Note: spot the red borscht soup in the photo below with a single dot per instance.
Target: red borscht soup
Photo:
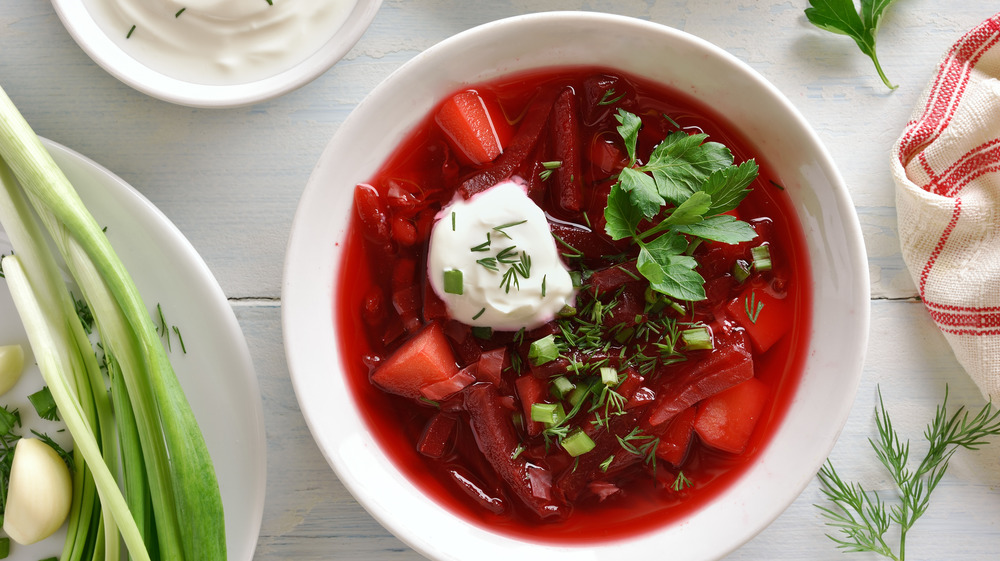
(670, 364)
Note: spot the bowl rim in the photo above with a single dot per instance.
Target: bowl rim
(295, 302)
(108, 55)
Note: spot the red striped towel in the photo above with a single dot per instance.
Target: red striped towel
(947, 170)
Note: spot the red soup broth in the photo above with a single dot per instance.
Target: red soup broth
(372, 273)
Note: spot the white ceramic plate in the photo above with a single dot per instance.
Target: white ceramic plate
(781, 137)
(109, 55)
(216, 371)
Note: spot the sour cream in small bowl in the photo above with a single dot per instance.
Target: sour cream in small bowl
(216, 53)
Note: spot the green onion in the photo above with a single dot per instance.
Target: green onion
(453, 281)
(482, 331)
(609, 376)
(577, 443)
(562, 386)
(697, 338)
(578, 394)
(741, 270)
(543, 350)
(544, 413)
(761, 257)
(44, 405)
(181, 487)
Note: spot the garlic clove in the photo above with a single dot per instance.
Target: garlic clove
(11, 366)
(39, 493)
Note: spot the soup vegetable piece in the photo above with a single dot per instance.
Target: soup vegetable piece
(607, 372)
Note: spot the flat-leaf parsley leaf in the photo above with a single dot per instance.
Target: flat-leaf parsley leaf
(842, 17)
(674, 200)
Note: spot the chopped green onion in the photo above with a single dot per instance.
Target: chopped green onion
(4, 548)
(697, 338)
(453, 281)
(741, 270)
(761, 257)
(44, 405)
(578, 394)
(562, 386)
(567, 311)
(609, 376)
(577, 443)
(543, 350)
(518, 450)
(548, 413)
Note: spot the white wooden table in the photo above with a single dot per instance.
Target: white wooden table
(230, 180)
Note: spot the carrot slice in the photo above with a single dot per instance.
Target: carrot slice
(424, 360)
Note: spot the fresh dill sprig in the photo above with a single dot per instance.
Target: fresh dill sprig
(863, 517)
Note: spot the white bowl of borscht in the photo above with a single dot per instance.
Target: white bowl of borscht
(575, 286)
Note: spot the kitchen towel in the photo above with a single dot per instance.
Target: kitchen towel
(946, 165)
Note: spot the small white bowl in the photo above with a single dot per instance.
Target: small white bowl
(94, 40)
(839, 325)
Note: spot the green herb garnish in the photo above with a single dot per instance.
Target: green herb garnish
(863, 517)
(683, 191)
(752, 306)
(843, 18)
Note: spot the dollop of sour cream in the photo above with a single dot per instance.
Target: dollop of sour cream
(494, 262)
(220, 42)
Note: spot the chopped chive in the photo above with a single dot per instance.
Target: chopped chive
(453, 221)
(578, 443)
(179, 12)
(761, 257)
(543, 350)
(671, 121)
(453, 281)
(482, 331)
(180, 339)
(130, 32)
(543, 285)
(5, 548)
(776, 184)
(270, 3)
(479, 313)
(697, 338)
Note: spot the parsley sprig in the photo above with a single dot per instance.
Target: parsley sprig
(841, 17)
(673, 201)
(863, 517)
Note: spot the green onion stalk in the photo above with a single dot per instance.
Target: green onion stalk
(171, 507)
